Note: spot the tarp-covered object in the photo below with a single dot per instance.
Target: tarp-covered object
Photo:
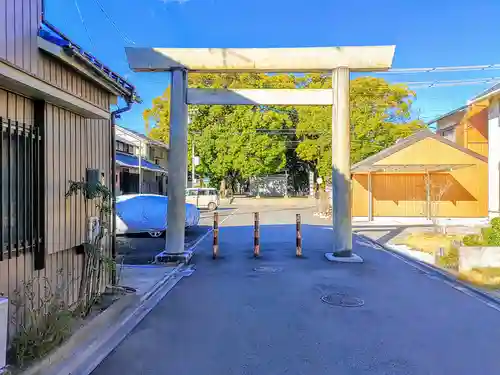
(148, 212)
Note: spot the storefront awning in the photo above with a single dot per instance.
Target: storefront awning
(132, 161)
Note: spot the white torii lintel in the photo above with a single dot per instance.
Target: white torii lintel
(271, 60)
(259, 97)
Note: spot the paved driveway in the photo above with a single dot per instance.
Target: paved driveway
(229, 319)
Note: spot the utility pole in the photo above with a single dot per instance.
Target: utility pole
(192, 161)
(140, 167)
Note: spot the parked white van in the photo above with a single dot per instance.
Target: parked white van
(203, 198)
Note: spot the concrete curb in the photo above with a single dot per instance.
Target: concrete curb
(92, 343)
(433, 271)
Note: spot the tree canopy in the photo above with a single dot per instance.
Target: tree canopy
(238, 142)
(380, 114)
(233, 142)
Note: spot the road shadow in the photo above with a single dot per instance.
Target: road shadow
(141, 250)
(391, 231)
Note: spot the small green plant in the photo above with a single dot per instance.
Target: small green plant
(43, 319)
(450, 259)
(95, 261)
(472, 240)
(490, 236)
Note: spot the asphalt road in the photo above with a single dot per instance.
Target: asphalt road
(228, 318)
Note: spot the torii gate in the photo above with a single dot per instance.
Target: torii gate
(339, 60)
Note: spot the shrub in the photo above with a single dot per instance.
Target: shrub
(490, 236)
(472, 240)
(45, 323)
(449, 259)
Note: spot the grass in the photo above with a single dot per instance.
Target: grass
(430, 242)
(483, 277)
(487, 277)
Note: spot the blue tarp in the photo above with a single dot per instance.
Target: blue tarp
(148, 213)
(132, 161)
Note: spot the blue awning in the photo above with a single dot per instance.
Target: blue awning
(132, 161)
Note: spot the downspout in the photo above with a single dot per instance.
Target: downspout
(114, 116)
(42, 13)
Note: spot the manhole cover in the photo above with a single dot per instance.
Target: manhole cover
(267, 269)
(338, 299)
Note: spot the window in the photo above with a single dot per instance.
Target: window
(21, 189)
(124, 147)
(191, 193)
(449, 134)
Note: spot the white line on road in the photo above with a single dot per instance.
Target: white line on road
(203, 236)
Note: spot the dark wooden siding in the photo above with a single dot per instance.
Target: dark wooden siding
(19, 22)
(63, 76)
(72, 143)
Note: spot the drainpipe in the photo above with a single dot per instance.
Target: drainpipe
(114, 116)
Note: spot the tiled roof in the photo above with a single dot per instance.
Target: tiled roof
(51, 34)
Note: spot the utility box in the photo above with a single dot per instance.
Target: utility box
(92, 177)
(4, 323)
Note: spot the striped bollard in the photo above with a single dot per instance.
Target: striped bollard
(215, 250)
(256, 236)
(298, 241)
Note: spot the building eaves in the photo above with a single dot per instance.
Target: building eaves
(51, 34)
(145, 138)
(451, 113)
(493, 90)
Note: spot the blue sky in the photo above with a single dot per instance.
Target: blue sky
(427, 33)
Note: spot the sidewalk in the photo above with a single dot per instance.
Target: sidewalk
(142, 277)
(91, 343)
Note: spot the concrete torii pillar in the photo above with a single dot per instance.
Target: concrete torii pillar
(338, 60)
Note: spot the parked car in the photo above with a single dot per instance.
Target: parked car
(147, 213)
(203, 198)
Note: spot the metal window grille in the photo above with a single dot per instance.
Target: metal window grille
(21, 191)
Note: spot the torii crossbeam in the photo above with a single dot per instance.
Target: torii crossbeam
(338, 60)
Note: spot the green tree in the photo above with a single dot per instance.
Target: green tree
(233, 142)
(380, 114)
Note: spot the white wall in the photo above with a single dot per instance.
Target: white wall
(494, 159)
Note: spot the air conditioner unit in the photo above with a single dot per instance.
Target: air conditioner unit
(4, 312)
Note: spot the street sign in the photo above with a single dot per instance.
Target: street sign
(196, 160)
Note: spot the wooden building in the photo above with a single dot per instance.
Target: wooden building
(476, 126)
(424, 175)
(56, 124)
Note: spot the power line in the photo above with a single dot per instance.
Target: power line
(110, 19)
(83, 23)
(456, 82)
(443, 69)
